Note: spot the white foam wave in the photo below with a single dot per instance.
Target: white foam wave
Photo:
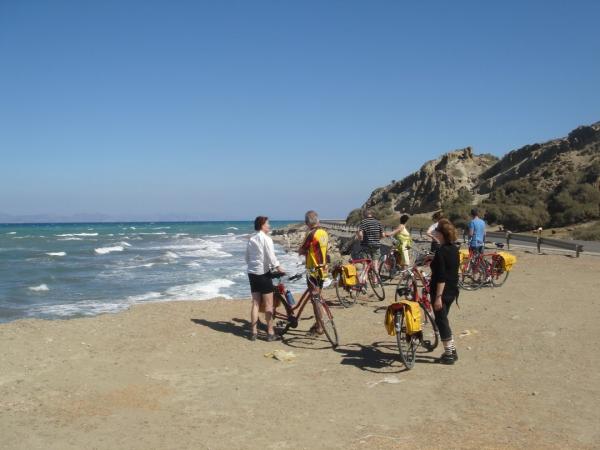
(56, 253)
(82, 308)
(139, 266)
(71, 239)
(172, 255)
(76, 234)
(12, 232)
(194, 264)
(206, 253)
(199, 291)
(40, 288)
(144, 297)
(105, 250)
(161, 228)
(232, 228)
(125, 244)
(158, 233)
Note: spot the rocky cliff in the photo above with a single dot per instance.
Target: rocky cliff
(438, 181)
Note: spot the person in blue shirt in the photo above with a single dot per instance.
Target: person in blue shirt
(476, 232)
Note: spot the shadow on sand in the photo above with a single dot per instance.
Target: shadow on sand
(379, 357)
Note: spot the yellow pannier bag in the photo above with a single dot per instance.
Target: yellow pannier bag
(412, 317)
(349, 274)
(464, 255)
(508, 260)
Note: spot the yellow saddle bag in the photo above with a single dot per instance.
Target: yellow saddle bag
(412, 317)
(508, 260)
(349, 274)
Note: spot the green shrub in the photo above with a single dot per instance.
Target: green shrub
(591, 233)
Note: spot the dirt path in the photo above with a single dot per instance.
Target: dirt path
(183, 375)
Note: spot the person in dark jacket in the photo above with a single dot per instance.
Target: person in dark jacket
(444, 285)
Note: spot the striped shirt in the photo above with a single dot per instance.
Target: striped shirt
(372, 231)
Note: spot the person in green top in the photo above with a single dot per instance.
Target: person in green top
(402, 234)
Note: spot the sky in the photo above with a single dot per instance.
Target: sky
(232, 109)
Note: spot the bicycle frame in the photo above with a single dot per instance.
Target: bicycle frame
(293, 313)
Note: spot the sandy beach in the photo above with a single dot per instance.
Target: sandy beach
(184, 375)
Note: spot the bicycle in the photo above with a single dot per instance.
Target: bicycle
(390, 262)
(476, 271)
(348, 294)
(415, 286)
(292, 315)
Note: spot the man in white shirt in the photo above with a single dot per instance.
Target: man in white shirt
(261, 259)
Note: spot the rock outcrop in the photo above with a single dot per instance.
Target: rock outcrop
(439, 181)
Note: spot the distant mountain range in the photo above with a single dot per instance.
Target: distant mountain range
(484, 178)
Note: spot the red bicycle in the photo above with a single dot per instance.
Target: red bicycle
(348, 293)
(479, 269)
(292, 314)
(414, 285)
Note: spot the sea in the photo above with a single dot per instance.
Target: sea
(61, 271)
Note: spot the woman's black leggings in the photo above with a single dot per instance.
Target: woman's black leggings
(441, 317)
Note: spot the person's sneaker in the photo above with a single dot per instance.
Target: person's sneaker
(446, 359)
(455, 355)
(253, 337)
(273, 337)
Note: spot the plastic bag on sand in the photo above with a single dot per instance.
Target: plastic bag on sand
(281, 355)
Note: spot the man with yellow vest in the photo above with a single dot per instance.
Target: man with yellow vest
(314, 248)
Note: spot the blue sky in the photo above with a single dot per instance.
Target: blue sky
(230, 109)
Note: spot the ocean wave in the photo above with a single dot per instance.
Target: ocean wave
(161, 228)
(40, 288)
(125, 244)
(203, 290)
(147, 265)
(70, 239)
(105, 250)
(171, 255)
(158, 233)
(56, 253)
(194, 264)
(206, 253)
(12, 232)
(76, 234)
(81, 308)
(144, 297)
(232, 228)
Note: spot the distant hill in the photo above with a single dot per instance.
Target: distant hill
(551, 183)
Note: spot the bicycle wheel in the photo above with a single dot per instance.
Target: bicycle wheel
(498, 274)
(346, 296)
(430, 335)
(325, 320)
(406, 289)
(376, 284)
(470, 276)
(387, 266)
(407, 345)
(282, 326)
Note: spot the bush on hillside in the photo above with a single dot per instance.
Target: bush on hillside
(591, 233)
(458, 210)
(517, 205)
(573, 202)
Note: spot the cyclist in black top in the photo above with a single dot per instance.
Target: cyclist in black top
(444, 285)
